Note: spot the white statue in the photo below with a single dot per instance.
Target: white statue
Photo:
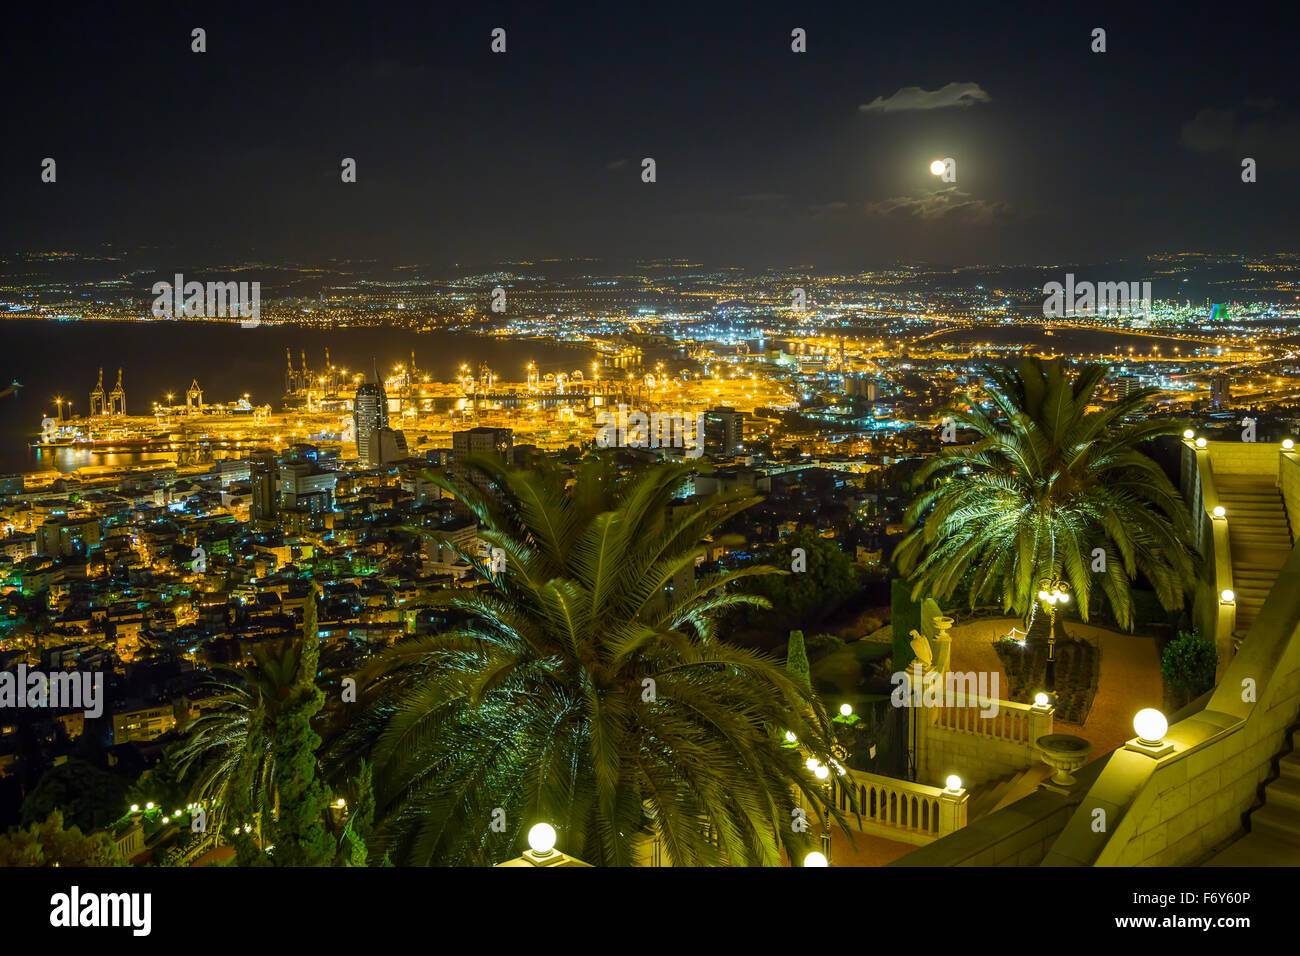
(921, 648)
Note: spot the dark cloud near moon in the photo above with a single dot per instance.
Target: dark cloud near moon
(915, 98)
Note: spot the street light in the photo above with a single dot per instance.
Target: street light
(1052, 592)
(816, 859)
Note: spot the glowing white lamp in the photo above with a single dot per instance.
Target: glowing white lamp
(1040, 699)
(815, 859)
(1189, 434)
(1150, 726)
(953, 782)
(1219, 511)
(1288, 444)
(1200, 443)
(846, 710)
(1226, 596)
(790, 738)
(541, 839)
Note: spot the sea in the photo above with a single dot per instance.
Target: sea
(62, 359)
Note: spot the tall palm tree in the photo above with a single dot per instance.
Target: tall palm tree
(586, 686)
(228, 756)
(1045, 485)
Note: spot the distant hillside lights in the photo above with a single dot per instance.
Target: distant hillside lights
(1089, 299)
(656, 430)
(213, 300)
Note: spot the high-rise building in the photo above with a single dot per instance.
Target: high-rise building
(369, 415)
(724, 432)
(392, 446)
(67, 535)
(478, 441)
(1220, 390)
(263, 476)
(305, 485)
(481, 441)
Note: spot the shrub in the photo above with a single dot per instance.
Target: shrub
(821, 644)
(1189, 663)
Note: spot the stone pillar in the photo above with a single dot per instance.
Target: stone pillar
(1041, 721)
(952, 811)
(1227, 623)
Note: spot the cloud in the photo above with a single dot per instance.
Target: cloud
(946, 205)
(1258, 128)
(915, 98)
(617, 163)
(1208, 131)
(822, 210)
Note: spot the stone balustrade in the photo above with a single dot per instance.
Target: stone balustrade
(901, 810)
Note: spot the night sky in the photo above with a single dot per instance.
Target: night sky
(765, 157)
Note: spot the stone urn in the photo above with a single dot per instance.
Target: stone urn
(1065, 754)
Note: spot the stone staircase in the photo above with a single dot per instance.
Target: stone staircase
(1259, 538)
(1274, 837)
(1279, 817)
(997, 794)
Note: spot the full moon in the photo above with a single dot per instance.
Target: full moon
(936, 167)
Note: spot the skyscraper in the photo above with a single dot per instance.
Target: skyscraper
(723, 432)
(370, 415)
(264, 476)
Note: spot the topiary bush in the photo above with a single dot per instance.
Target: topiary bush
(1189, 664)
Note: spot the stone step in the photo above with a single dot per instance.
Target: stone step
(1289, 766)
(1284, 792)
(1276, 822)
(1261, 577)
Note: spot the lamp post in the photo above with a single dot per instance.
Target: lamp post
(1052, 591)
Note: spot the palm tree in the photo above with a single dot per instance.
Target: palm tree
(586, 686)
(1049, 488)
(229, 755)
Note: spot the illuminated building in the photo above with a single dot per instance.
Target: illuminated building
(263, 474)
(67, 535)
(723, 432)
(370, 414)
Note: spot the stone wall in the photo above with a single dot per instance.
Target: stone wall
(1244, 457)
(1174, 809)
(1289, 484)
(976, 758)
(1017, 835)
